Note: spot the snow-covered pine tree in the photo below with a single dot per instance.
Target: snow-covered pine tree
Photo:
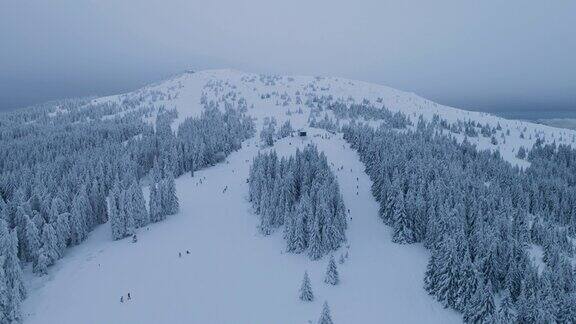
(306, 289)
(332, 277)
(481, 308)
(467, 283)
(138, 205)
(41, 264)
(315, 248)
(155, 204)
(169, 196)
(116, 212)
(128, 213)
(505, 313)
(78, 230)
(32, 240)
(297, 240)
(50, 244)
(62, 232)
(4, 294)
(403, 224)
(325, 317)
(13, 284)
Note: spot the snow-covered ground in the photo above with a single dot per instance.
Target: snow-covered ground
(233, 274)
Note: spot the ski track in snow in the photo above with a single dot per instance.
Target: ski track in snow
(233, 274)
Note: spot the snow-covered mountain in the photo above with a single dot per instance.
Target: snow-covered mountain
(209, 263)
(184, 92)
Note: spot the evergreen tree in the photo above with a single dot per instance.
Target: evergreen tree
(117, 213)
(32, 242)
(12, 284)
(41, 265)
(129, 222)
(332, 277)
(505, 312)
(325, 317)
(155, 204)
(138, 205)
(481, 308)
(306, 289)
(403, 228)
(169, 195)
(78, 230)
(315, 250)
(50, 245)
(467, 283)
(62, 232)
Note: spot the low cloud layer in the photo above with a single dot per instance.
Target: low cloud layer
(478, 55)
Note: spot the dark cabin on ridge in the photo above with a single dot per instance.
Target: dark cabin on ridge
(302, 133)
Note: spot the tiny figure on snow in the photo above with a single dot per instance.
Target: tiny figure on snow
(121, 299)
(187, 252)
(129, 297)
(225, 188)
(179, 254)
(134, 238)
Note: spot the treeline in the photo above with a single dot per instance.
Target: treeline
(69, 166)
(365, 110)
(301, 193)
(481, 219)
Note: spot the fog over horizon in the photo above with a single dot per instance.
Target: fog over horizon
(487, 56)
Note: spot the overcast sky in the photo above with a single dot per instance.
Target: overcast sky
(483, 55)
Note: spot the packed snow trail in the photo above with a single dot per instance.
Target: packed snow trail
(233, 274)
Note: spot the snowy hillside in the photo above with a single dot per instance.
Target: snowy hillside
(283, 94)
(208, 263)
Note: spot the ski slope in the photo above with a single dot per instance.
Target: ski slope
(233, 274)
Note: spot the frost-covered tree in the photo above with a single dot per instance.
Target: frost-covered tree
(268, 131)
(403, 226)
(332, 277)
(285, 130)
(155, 204)
(117, 212)
(41, 264)
(78, 226)
(138, 206)
(31, 240)
(521, 153)
(505, 313)
(12, 290)
(169, 197)
(50, 246)
(306, 289)
(325, 317)
(481, 308)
